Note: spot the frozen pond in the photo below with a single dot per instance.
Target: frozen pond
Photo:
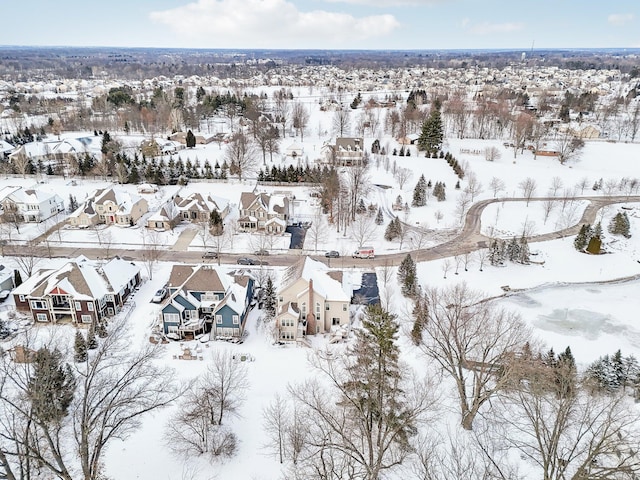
(593, 320)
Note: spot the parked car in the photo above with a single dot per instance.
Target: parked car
(261, 253)
(210, 254)
(246, 261)
(4, 294)
(332, 254)
(159, 295)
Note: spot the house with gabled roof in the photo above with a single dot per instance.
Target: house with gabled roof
(112, 207)
(258, 211)
(197, 207)
(167, 217)
(345, 151)
(81, 291)
(200, 294)
(29, 204)
(312, 299)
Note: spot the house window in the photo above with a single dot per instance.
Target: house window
(90, 306)
(41, 317)
(318, 309)
(171, 317)
(172, 329)
(335, 321)
(236, 319)
(86, 318)
(219, 319)
(21, 297)
(38, 305)
(326, 306)
(78, 306)
(280, 299)
(110, 311)
(344, 307)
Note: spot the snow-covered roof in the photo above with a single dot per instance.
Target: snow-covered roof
(119, 272)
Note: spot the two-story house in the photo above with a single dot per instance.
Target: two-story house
(81, 291)
(203, 299)
(197, 208)
(312, 299)
(112, 207)
(30, 205)
(264, 212)
(346, 151)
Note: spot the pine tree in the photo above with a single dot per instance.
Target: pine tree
(269, 300)
(17, 278)
(523, 256)
(513, 250)
(420, 315)
(582, 239)
(620, 225)
(51, 386)
(407, 276)
(432, 132)
(73, 203)
(190, 139)
(92, 341)
(379, 217)
(361, 207)
(80, 348)
(101, 328)
(391, 232)
(420, 193)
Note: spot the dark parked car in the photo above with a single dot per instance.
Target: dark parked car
(332, 254)
(246, 261)
(210, 254)
(261, 253)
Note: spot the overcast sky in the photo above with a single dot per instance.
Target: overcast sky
(324, 24)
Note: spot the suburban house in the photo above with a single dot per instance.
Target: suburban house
(263, 212)
(166, 218)
(312, 299)
(112, 207)
(7, 278)
(202, 299)
(346, 151)
(81, 291)
(30, 205)
(197, 207)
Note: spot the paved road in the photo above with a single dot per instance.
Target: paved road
(468, 240)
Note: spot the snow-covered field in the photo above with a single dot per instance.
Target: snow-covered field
(564, 296)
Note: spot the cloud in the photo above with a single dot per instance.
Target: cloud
(486, 28)
(268, 24)
(620, 18)
(391, 3)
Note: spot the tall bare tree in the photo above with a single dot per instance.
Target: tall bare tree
(470, 339)
(241, 155)
(299, 118)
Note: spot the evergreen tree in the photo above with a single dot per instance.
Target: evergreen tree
(215, 223)
(432, 132)
(620, 225)
(420, 193)
(92, 341)
(582, 239)
(101, 328)
(51, 386)
(73, 203)
(379, 217)
(420, 316)
(523, 256)
(190, 139)
(80, 347)
(513, 250)
(361, 207)
(269, 300)
(17, 278)
(407, 276)
(392, 230)
(439, 191)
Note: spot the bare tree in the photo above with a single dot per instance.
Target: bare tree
(402, 176)
(470, 339)
(27, 257)
(152, 250)
(582, 184)
(496, 185)
(569, 147)
(299, 118)
(318, 230)
(286, 428)
(446, 266)
(492, 154)
(358, 184)
(528, 188)
(556, 184)
(341, 121)
(241, 155)
(547, 207)
(570, 433)
(474, 186)
(363, 230)
(481, 255)
(462, 205)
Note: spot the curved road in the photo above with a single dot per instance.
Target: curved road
(468, 240)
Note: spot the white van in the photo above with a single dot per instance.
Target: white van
(364, 252)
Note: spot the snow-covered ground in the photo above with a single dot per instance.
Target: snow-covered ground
(593, 318)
